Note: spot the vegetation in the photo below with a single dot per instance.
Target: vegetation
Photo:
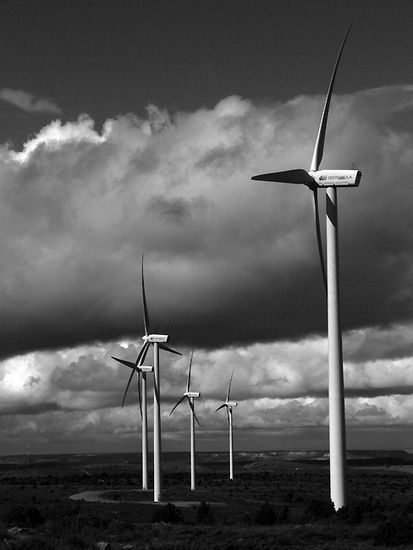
(167, 514)
(271, 504)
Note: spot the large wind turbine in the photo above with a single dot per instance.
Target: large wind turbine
(229, 405)
(190, 396)
(142, 371)
(329, 179)
(158, 342)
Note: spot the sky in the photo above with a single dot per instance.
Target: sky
(130, 128)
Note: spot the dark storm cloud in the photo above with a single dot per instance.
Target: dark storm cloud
(31, 409)
(376, 392)
(227, 261)
(373, 343)
(175, 210)
(87, 374)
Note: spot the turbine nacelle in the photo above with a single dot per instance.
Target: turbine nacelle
(336, 178)
(155, 338)
(146, 368)
(192, 394)
(231, 404)
(314, 178)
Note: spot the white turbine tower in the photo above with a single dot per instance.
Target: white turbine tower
(329, 179)
(158, 342)
(190, 396)
(229, 405)
(142, 371)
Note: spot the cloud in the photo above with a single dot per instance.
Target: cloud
(228, 261)
(281, 390)
(28, 102)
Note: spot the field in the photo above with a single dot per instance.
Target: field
(277, 500)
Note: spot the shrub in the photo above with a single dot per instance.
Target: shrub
(204, 513)
(167, 514)
(283, 515)
(35, 542)
(353, 513)
(394, 531)
(265, 514)
(319, 509)
(23, 516)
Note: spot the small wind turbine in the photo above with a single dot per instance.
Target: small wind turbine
(229, 406)
(190, 396)
(142, 371)
(158, 341)
(329, 179)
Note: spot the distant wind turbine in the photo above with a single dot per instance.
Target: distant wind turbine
(142, 371)
(158, 341)
(190, 396)
(229, 405)
(329, 179)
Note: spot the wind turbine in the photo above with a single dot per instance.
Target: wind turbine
(158, 341)
(141, 371)
(190, 396)
(229, 406)
(329, 179)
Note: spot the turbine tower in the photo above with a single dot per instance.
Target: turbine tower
(229, 406)
(190, 396)
(142, 371)
(329, 179)
(158, 341)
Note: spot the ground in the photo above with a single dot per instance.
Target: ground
(277, 500)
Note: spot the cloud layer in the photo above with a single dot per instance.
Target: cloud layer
(231, 265)
(281, 390)
(228, 261)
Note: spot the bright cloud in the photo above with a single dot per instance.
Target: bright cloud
(280, 387)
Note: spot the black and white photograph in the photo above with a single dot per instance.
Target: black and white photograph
(206, 274)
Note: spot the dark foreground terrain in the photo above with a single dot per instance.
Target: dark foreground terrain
(277, 500)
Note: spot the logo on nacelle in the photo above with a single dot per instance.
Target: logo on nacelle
(336, 178)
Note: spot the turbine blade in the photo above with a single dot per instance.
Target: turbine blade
(127, 363)
(289, 176)
(319, 144)
(127, 386)
(221, 407)
(140, 391)
(188, 382)
(156, 388)
(166, 348)
(176, 404)
(142, 356)
(193, 411)
(196, 419)
(142, 353)
(319, 240)
(145, 305)
(229, 385)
